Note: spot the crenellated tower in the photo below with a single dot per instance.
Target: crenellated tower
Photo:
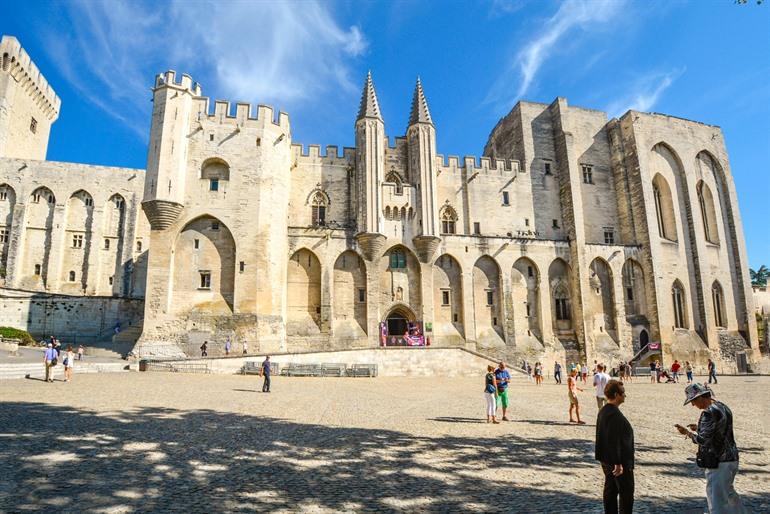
(370, 172)
(164, 186)
(421, 146)
(28, 104)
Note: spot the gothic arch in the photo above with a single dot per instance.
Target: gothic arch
(602, 297)
(7, 204)
(559, 281)
(350, 296)
(203, 267)
(525, 289)
(113, 223)
(718, 302)
(448, 326)
(487, 302)
(448, 217)
(707, 212)
(215, 168)
(400, 278)
(38, 227)
(303, 304)
(679, 305)
(78, 241)
(664, 208)
(634, 289)
(394, 177)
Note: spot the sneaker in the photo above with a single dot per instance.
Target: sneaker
(496, 422)
(505, 418)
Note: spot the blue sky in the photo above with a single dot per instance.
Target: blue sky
(703, 60)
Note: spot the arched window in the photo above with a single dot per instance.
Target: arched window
(395, 179)
(72, 276)
(397, 259)
(718, 298)
(708, 213)
(677, 298)
(318, 206)
(387, 213)
(448, 220)
(664, 208)
(215, 170)
(561, 300)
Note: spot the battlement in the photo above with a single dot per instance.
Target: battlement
(15, 60)
(480, 165)
(223, 111)
(313, 155)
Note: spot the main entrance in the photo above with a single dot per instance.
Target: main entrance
(400, 328)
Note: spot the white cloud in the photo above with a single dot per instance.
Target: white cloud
(644, 93)
(573, 15)
(268, 52)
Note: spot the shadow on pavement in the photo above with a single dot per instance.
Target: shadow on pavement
(161, 459)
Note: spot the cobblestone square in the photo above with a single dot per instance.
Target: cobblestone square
(132, 442)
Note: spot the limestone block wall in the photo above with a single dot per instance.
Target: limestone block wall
(72, 228)
(391, 362)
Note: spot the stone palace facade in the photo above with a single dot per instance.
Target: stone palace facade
(574, 236)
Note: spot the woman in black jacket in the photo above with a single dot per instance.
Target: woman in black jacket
(615, 450)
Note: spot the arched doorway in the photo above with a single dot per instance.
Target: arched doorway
(644, 339)
(401, 328)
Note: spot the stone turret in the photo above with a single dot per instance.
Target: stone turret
(164, 187)
(421, 141)
(370, 172)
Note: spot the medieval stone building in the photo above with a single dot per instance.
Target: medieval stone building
(574, 236)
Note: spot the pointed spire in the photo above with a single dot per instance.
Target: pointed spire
(369, 106)
(420, 112)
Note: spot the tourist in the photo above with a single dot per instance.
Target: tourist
(227, 347)
(81, 351)
(675, 367)
(712, 368)
(490, 392)
(615, 450)
(688, 371)
(596, 366)
(717, 451)
(653, 372)
(600, 381)
(629, 372)
(557, 372)
(265, 372)
(502, 379)
(69, 364)
(658, 369)
(204, 349)
(245, 348)
(584, 373)
(50, 360)
(572, 388)
(538, 373)
(529, 371)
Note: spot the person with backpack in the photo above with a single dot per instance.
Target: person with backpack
(490, 394)
(50, 359)
(717, 451)
(204, 349)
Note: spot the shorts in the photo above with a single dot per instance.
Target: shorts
(502, 398)
(572, 398)
(653, 373)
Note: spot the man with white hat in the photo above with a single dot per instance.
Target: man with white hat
(49, 359)
(717, 451)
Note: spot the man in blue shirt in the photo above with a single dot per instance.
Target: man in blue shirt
(50, 356)
(503, 377)
(265, 372)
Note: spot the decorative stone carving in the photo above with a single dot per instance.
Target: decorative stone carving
(426, 247)
(372, 244)
(161, 213)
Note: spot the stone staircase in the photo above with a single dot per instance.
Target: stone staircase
(10, 371)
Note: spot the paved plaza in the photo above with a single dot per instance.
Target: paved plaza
(132, 442)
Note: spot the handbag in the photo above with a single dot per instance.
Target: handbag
(706, 458)
(55, 361)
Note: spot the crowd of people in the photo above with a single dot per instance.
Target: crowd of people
(717, 452)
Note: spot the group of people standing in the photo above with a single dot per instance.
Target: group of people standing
(717, 451)
(53, 353)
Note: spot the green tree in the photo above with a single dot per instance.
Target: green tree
(760, 276)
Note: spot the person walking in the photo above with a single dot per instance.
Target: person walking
(81, 351)
(50, 358)
(688, 371)
(69, 364)
(658, 369)
(653, 372)
(227, 347)
(490, 393)
(265, 372)
(502, 379)
(245, 348)
(601, 378)
(615, 451)
(717, 451)
(675, 367)
(204, 349)
(557, 372)
(712, 371)
(584, 373)
(572, 389)
(538, 373)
